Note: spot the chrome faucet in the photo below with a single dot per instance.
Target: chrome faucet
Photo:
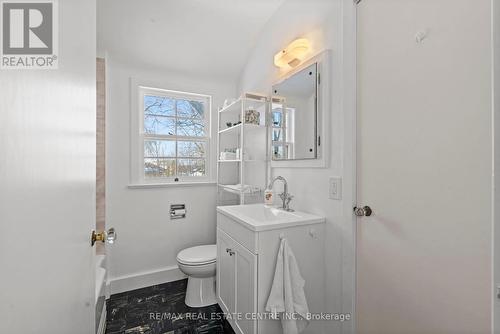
(285, 196)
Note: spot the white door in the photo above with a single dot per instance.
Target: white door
(47, 186)
(424, 167)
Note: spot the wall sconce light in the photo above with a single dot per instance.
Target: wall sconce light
(293, 54)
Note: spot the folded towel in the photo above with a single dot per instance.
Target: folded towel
(287, 292)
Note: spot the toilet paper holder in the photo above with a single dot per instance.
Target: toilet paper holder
(177, 211)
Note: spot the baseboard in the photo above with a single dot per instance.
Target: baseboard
(144, 279)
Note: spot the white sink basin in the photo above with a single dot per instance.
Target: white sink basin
(260, 217)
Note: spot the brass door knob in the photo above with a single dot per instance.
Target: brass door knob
(109, 236)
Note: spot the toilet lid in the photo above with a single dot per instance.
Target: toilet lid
(198, 255)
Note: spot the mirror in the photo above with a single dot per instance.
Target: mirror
(294, 125)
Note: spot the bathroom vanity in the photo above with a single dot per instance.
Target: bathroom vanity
(248, 240)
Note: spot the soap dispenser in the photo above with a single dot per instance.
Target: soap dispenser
(268, 196)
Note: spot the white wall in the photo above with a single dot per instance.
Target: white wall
(321, 22)
(148, 241)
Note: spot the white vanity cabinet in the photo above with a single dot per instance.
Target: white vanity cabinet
(246, 258)
(236, 282)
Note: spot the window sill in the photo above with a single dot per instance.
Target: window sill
(170, 185)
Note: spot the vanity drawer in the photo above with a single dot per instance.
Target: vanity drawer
(247, 238)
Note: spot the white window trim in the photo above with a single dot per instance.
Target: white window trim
(137, 178)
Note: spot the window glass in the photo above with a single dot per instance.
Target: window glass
(159, 149)
(175, 131)
(190, 109)
(159, 125)
(191, 167)
(159, 105)
(191, 149)
(159, 167)
(190, 127)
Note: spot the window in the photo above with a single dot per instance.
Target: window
(174, 136)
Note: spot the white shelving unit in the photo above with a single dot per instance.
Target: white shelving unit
(242, 178)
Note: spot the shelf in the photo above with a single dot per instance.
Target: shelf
(238, 189)
(231, 129)
(236, 105)
(248, 127)
(246, 137)
(239, 160)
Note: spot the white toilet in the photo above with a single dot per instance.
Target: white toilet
(199, 263)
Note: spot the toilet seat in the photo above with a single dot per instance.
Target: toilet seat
(197, 256)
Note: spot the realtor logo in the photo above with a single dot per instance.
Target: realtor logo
(29, 34)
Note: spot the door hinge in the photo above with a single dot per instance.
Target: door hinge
(319, 79)
(319, 140)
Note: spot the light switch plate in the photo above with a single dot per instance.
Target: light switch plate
(335, 188)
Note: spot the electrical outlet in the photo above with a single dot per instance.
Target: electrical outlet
(335, 188)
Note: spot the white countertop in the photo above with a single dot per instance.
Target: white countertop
(260, 217)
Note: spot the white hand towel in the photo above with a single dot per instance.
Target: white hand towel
(287, 292)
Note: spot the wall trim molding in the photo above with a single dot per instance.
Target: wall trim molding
(101, 329)
(349, 107)
(144, 279)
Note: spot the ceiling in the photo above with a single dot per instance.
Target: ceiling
(197, 37)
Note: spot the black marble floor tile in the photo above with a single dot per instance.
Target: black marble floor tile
(160, 309)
